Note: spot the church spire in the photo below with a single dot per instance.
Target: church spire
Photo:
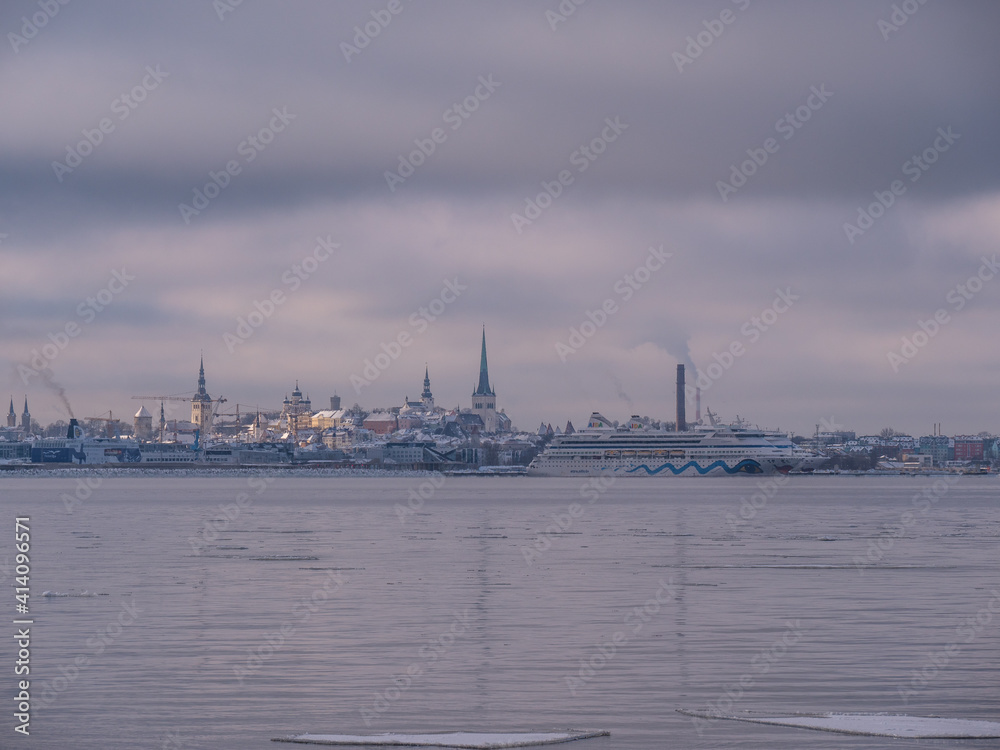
(12, 415)
(201, 375)
(427, 397)
(483, 389)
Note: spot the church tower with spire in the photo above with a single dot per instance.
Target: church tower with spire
(201, 403)
(427, 398)
(26, 417)
(12, 415)
(484, 400)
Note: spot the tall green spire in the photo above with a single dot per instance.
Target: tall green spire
(484, 378)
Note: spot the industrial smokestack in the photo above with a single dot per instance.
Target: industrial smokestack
(697, 405)
(681, 421)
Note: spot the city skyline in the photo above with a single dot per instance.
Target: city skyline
(611, 191)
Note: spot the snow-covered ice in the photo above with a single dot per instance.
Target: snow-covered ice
(476, 740)
(875, 725)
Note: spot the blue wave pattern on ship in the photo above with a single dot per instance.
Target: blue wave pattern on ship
(746, 466)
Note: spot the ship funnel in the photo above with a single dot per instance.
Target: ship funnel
(681, 421)
(74, 430)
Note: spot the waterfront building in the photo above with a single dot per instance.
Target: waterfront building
(969, 448)
(939, 447)
(381, 422)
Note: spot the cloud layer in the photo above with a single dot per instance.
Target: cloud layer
(738, 136)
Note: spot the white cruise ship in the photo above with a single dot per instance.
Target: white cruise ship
(636, 450)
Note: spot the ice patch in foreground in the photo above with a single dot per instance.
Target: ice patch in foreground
(874, 725)
(475, 740)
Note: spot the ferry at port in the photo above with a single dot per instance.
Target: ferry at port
(77, 449)
(636, 450)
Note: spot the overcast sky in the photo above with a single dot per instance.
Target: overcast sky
(403, 154)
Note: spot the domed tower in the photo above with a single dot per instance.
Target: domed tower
(143, 424)
(297, 411)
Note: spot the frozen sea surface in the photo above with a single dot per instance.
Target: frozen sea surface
(235, 609)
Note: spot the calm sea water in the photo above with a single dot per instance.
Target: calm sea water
(436, 619)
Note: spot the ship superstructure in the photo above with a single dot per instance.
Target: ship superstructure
(634, 449)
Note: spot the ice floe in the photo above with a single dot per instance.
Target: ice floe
(873, 724)
(476, 740)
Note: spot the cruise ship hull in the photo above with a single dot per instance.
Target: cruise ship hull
(641, 452)
(693, 468)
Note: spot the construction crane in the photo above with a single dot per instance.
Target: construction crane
(110, 423)
(248, 409)
(207, 426)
